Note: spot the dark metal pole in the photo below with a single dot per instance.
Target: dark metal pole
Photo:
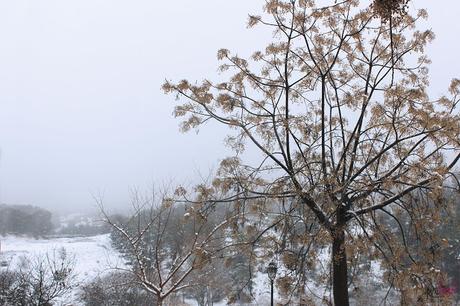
(271, 285)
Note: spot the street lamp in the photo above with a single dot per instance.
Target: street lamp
(271, 271)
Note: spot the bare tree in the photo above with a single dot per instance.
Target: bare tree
(166, 242)
(337, 106)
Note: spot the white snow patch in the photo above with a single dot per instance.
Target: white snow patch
(93, 256)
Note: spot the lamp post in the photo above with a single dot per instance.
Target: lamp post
(271, 271)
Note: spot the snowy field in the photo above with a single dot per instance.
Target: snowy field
(93, 256)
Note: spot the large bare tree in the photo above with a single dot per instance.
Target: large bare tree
(338, 108)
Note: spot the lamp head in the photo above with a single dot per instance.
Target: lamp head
(271, 270)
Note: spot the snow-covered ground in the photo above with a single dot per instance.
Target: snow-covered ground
(93, 256)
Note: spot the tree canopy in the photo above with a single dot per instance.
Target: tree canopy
(338, 108)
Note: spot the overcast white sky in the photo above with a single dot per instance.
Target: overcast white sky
(81, 110)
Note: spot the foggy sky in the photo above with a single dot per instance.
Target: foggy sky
(81, 110)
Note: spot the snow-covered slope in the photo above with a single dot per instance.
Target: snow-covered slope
(93, 256)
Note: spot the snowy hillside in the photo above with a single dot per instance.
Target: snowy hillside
(93, 256)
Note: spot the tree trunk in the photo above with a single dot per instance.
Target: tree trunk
(339, 268)
(159, 302)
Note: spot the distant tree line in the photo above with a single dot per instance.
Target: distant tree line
(25, 220)
(82, 227)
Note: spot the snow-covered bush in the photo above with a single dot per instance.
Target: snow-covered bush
(117, 288)
(38, 281)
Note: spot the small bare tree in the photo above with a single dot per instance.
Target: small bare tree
(166, 241)
(337, 106)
